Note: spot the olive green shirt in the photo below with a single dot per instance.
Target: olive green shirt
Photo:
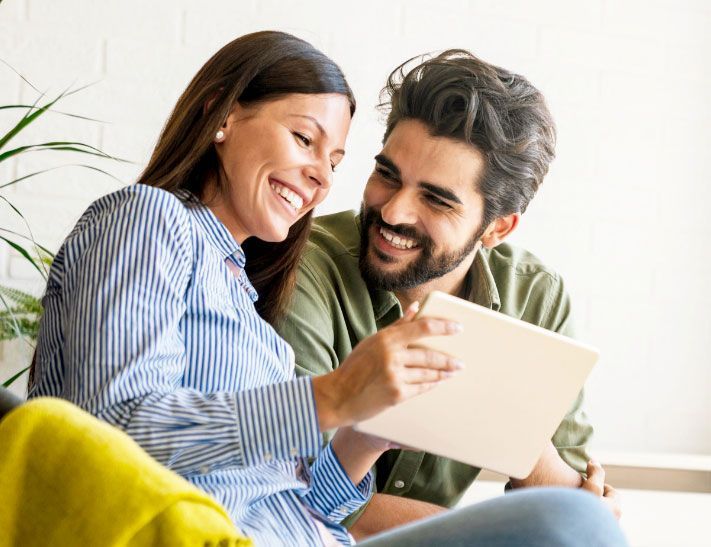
(333, 310)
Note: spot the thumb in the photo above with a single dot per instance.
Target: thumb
(410, 313)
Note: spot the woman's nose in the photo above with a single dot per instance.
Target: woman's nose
(320, 173)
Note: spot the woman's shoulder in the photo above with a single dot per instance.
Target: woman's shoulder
(136, 205)
(142, 198)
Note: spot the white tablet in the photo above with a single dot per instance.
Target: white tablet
(498, 413)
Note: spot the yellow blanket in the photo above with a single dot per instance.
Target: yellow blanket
(68, 479)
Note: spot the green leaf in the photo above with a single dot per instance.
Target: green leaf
(8, 65)
(45, 250)
(24, 253)
(84, 165)
(35, 112)
(69, 114)
(7, 383)
(32, 237)
(59, 145)
(13, 320)
(26, 120)
(25, 302)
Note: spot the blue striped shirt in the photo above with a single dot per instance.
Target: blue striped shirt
(146, 327)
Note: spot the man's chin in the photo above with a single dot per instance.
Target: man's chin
(391, 263)
(385, 266)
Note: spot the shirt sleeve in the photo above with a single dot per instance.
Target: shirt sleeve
(127, 267)
(332, 492)
(573, 436)
(307, 326)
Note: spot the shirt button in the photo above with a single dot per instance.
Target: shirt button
(205, 469)
(268, 457)
(294, 452)
(399, 484)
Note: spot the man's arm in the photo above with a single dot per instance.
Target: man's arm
(385, 511)
(550, 470)
(565, 461)
(573, 436)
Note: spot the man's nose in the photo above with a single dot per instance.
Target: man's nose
(400, 209)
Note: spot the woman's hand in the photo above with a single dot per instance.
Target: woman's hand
(384, 370)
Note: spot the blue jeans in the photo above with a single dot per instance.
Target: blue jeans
(545, 517)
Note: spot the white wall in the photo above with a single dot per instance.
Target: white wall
(623, 213)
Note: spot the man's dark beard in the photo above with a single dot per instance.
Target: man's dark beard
(425, 267)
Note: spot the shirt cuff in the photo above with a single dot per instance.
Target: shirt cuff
(332, 492)
(278, 422)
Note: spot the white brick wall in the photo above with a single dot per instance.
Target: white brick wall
(623, 214)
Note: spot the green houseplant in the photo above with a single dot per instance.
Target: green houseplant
(19, 310)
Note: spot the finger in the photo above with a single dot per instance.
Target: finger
(424, 326)
(411, 312)
(612, 499)
(411, 390)
(595, 482)
(427, 358)
(425, 375)
(611, 493)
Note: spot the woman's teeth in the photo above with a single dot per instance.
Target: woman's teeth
(396, 241)
(293, 198)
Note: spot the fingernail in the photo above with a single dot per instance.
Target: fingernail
(453, 326)
(415, 306)
(458, 364)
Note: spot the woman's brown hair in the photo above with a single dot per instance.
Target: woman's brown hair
(253, 68)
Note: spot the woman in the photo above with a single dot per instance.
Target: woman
(150, 319)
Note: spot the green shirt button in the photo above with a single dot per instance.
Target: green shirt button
(399, 484)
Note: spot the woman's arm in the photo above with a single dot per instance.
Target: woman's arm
(124, 274)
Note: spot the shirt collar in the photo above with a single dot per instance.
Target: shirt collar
(217, 233)
(481, 284)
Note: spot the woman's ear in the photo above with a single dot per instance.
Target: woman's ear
(499, 229)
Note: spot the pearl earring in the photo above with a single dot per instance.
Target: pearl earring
(219, 136)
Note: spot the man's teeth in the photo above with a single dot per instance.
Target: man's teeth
(293, 198)
(396, 241)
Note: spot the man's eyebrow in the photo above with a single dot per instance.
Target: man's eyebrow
(318, 126)
(440, 191)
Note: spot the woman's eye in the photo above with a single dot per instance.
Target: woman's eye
(302, 138)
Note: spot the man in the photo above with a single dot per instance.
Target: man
(466, 146)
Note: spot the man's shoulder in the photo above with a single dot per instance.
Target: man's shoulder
(334, 242)
(337, 233)
(527, 288)
(511, 260)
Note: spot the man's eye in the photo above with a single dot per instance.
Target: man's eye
(436, 201)
(384, 173)
(302, 138)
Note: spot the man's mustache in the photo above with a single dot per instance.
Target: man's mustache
(373, 217)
